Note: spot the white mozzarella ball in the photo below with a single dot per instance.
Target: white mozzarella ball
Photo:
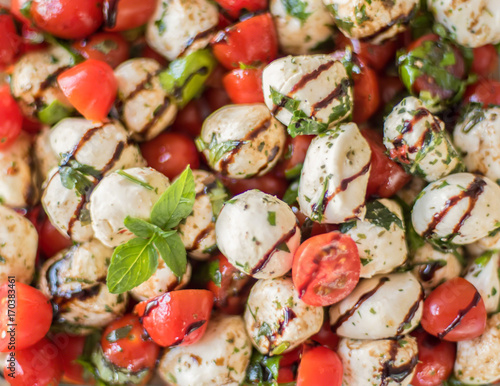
(18, 246)
(242, 141)
(300, 33)
(144, 106)
(258, 234)
(478, 359)
(335, 174)
(483, 273)
(488, 243)
(373, 20)
(45, 157)
(364, 313)
(461, 208)
(179, 27)
(220, 357)
(418, 141)
(318, 84)
(116, 197)
(276, 319)
(471, 23)
(380, 237)
(385, 362)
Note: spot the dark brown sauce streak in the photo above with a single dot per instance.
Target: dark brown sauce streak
(426, 272)
(396, 373)
(343, 318)
(116, 156)
(150, 307)
(408, 125)
(110, 11)
(289, 315)
(403, 19)
(201, 236)
(324, 252)
(191, 328)
(200, 35)
(156, 115)
(339, 91)
(270, 158)
(265, 259)
(139, 88)
(52, 78)
(473, 191)
(411, 313)
(76, 214)
(460, 316)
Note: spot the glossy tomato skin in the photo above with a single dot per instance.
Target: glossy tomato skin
(79, 85)
(268, 183)
(32, 315)
(128, 14)
(485, 62)
(11, 118)
(170, 153)
(235, 8)
(178, 317)
(320, 366)
(36, 365)
(252, 41)
(326, 268)
(454, 311)
(326, 337)
(244, 85)
(294, 156)
(366, 93)
(486, 92)
(10, 43)
(51, 240)
(190, 119)
(70, 349)
(435, 359)
(108, 47)
(67, 19)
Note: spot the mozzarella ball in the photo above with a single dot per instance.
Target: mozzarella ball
(373, 20)
(17, 187)
(242, 141)
(276, 319)
(478, 136)
(33, 79)
(364, 314)
(300, 33)
(18, 246)
(335, 174)
(478, 359)
(220, 357)
(318, 83)
(488, 243)
(461, 208)
(418, 141)
(45, 157)
(143, 105)
(179, 27)
(433, 267)
(483, 274)
(380, 237)
(116, 197)
(258, 234)
(472, 23)
(386, 362)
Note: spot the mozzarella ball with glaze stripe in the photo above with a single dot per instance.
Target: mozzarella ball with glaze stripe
(44, 156)
(18, 246)
(242, 141)
(335, 176)
(301, 31)
(364, 313)
(179, 27)
(386, 362)
(461, 208)
(316, 86)
(417, 140)
(129, 192)
(276, 319)
(220, 357)
(143, 104)
(258, 233)
(483, 273)
(375, 21)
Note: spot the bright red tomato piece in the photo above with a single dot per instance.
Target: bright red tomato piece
(190, 119)
(294, 156)
(11, 118)
(268, 183)
(28, 309)
(326, 337)
(79, 85)
(366, 94)
(10, 43)
(485, 62)
(252, 41)
(390, 86)
(176, 318)
(320, 367)
(244, 86)
(454, 311)
(486, 91)
(326, 268)
(108, 47)
(51, 240)
(70, 349)
(235, 8)
(127, 14)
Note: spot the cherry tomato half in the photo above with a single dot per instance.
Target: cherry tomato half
(326, 337)
(108, 47)
(235, 8)
(244, 85)
(190, 119)
(10, 43)
(11, 118)
(485, 62)
(127, 14)
(326, 268)
(51, 240)
(268, 183)
(70, 349)
(486, 91)
(294, 156)
(320, 367)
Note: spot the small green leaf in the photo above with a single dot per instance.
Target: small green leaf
(106, 46)
(54, 112)
(218, 195)
(219, 150)
(262, 370)
(283, 247)
(139, 227)
(301, 124)
(284, 101)
(281, 348)
(26, 9)
(291, 194)
(291, 174)
(2, 260)
(296, 8)
(214, 273)
(347, 226)
(135, 180)
(118, 334)
(271, 218)
(378, 214)
(173, 253)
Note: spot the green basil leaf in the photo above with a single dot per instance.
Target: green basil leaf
(214, 273)
(301, 124)
(54, 112)
(106, 46)
(347, 226)
(119, 333)
(286, 102)
(173, 253)
(291, 194)
(135, 180)
(217, 194)
(296, 8)
(380, 215)
(262, 369)
(140, 228)
(218, 150)
(73, 179)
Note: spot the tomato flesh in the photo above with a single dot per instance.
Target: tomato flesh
(10, 43)
(486, 92)
(268, 183)
(244, 85)
(127, 14)
(294, 156)
(235, 8)
(51, 240)
(320, 366)
(485, 62)
(108, 47)
(11, 118)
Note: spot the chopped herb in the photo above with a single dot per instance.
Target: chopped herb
(296, 8)
(135, 180)
(378, 214)
(118, 334)
(271, 218)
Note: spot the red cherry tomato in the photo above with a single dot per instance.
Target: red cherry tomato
(326, 337)
(67, 19)
(36, 365)
(108, 47)
(244, 86)
(10, 43)
(320, 367)
(326, 268)
(285, 374)
(15, 9)
(70, 349)
(216, 97)
(366, 94)
(294, 156)
(79, 85)
(11, 118)
(31, 126)
(190, 119)
(454, 311)
(252, 41)
(235, 8)
(486, 91)
(127, 14)
(177, 317)
(386, 176)
(29, 310)
(485, 62)
(51, 240)
(389, 88)
(435, 360)
(268, 183)
(170, 153)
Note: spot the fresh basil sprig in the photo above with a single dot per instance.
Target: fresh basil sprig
(74, 175)
(135, 261)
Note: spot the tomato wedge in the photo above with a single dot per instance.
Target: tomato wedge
(11, 118)
(244, 85)
(320, 367)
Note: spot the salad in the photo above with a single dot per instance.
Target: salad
(244, 192)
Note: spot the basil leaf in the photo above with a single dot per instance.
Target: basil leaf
(135, 180)
(262, 369)
(218, 150)
(176, 203)
(217, 194)
(214, 273)
(139, 227)
(302, 124)
(106, 46)
(378, 214)
(118, 334)
(173, 253)
(54, 112)
(347, 226)
(73, 179)
(284, 101)
(290, 196)
(296, 8)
